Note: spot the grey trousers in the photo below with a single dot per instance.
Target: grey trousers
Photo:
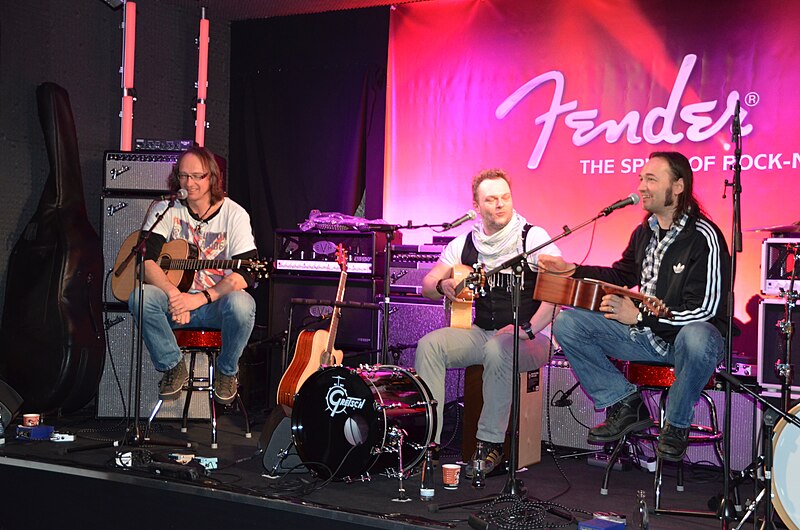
(458, 348)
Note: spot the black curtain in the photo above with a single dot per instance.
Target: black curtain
(308, 104)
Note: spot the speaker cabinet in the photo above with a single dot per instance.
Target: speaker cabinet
(116, 393)
(411, 320)
(568, 425)
(123, 215)
(566, 431)
(771, 344)
(358, 328)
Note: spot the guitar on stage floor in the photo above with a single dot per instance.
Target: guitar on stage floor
(179, 260)
(314, 349)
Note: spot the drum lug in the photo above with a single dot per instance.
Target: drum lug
(379, 407)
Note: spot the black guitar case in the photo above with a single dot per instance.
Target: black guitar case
(53, 345)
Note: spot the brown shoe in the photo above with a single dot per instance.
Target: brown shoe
(172, 383)
(225, 388)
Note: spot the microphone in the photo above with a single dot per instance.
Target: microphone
(622, 203)
(180, 194)
(470, 215)
(736, 127)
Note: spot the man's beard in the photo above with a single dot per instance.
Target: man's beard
(669, 198)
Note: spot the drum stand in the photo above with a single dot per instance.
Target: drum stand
(771, 414)
(785, 372)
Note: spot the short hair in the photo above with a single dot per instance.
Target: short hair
(210, 166)
(680, 168)
(488, 174)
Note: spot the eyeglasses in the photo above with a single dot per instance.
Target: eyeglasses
(197, 177)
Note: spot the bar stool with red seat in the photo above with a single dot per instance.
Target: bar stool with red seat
(658, 378)
(208, 342)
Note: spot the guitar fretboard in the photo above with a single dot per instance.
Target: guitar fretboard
(197, 264)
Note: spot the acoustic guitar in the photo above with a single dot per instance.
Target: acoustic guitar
(179, 261)
(314, 349)
(469, 282)
(587, 293)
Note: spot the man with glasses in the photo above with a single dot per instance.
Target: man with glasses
(220, 230)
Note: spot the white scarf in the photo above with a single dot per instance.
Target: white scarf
(501, 245)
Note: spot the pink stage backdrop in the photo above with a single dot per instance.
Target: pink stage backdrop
(570, 97)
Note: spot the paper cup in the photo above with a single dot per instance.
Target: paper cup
(30, 420)
(450, 475)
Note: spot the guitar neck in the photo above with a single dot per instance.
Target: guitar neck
(336, 312)
(198, 264)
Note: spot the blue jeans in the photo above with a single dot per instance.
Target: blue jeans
(589, 339)
(234, 314)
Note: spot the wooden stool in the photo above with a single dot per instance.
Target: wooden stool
(530, 416)
(659, 378)
(193, 342)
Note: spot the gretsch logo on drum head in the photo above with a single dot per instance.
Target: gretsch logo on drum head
(337, 399)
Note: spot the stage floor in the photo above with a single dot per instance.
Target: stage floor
(45, 483)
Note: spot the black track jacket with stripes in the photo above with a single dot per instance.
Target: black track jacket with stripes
(693, 279)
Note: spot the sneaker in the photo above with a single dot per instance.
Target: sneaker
(494, 457)
(225, 388)
(172, 383)
(672, 443)
(624, 417)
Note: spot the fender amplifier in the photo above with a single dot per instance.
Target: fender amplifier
(139, 171)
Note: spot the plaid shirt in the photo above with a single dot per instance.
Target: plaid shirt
(650, 266)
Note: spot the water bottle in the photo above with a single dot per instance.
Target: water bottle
(478, 469)
(426, 485)
(641, 519)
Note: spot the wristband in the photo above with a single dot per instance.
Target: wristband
(208, 296)
(439, 287)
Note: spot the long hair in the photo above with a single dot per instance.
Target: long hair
(680, 168)
(210, 166)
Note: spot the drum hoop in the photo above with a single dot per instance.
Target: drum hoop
(425, 393)
(787, 519)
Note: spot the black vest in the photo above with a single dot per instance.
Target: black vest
(494, 310)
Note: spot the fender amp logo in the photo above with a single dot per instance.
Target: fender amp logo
(338, 401)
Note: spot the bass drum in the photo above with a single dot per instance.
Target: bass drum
(346, 421)
(785, 470)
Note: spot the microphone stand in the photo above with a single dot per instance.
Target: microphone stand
(726, 511)
(136, 440)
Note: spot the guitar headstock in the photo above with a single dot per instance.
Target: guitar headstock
(477, 280)
(259, 268)
(341, 257)
(656, 307)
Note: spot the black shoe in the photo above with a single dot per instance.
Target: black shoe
(624, 417)
(672, 443)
